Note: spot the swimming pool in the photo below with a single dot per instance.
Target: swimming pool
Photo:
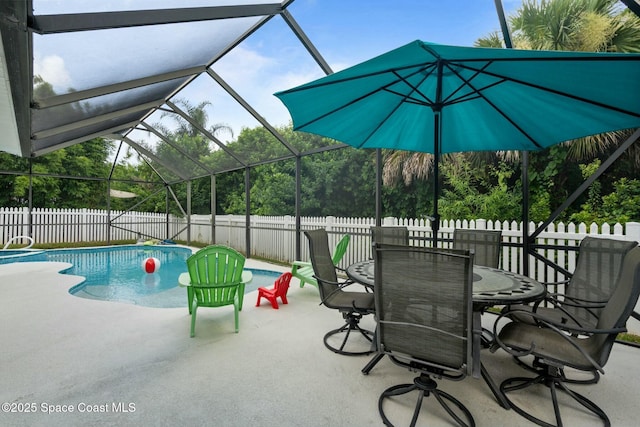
(116, 273)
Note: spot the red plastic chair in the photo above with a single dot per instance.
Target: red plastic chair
(280, 288)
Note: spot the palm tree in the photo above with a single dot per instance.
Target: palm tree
(570, 25)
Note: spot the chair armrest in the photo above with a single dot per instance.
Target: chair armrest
(574, 301)
(184, 280)
(247, 276)
(560, 327)
(562, 302)
(561, 282)
(301, 264)
(340, 286)
(297, 265)
(564, 332)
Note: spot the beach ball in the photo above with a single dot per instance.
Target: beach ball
(151, 265)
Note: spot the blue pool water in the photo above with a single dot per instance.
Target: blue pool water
(8, 256)
(116, 273)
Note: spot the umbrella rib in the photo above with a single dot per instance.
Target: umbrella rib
(502, 113)
(403, 98)
(558, 92)
(366, 95)
(423, 65)
(408, 97)
(578, 58)
(467, 82)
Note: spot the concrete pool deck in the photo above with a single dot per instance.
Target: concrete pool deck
(116, 364)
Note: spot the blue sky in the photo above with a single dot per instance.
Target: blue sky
(344, 31)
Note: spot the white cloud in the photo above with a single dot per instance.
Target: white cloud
(52, 70)
(257, 77)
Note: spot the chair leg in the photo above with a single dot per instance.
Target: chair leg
(554, 383)
(194, 309)
(240, 295)
(351, 324)
(268, 295)
(189, 298)
(595, 375)
(373, 362)
(236, 310)
(427, 387)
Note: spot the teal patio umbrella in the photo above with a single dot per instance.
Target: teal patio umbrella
(442, 99)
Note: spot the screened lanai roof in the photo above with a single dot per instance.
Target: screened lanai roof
(128, 71)
(74, 71)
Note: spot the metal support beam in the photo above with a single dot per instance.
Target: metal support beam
(251, 111)
(378, 187)
(247, 225)
(80, 95)
(298, 205)
(633, 6)
(587, 183)
(70, 22)
(108, 230)
(188, 212)
(178, 148)
(40, 148)
(213, 209)
(103, 118)
(30, 216)
(206, 133)
(297, 30)
(524, 155)
(166, 212)
(149, 154)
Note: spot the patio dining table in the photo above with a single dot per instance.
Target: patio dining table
(491, 286)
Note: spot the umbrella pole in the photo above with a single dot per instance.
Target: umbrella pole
(437, 117)
(435, 223)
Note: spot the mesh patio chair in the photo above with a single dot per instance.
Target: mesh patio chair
(586, 293)
(556, 346)
(423, 299)
(352, 304)
(485, 245)
(390, 235)
(303, 270)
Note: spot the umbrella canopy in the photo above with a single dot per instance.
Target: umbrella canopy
(436, 98)
(443, 99)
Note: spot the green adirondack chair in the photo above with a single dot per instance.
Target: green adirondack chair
(215, 280)
(303, 270)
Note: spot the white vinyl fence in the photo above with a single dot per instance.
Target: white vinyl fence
(274, 237)
(83, 225)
